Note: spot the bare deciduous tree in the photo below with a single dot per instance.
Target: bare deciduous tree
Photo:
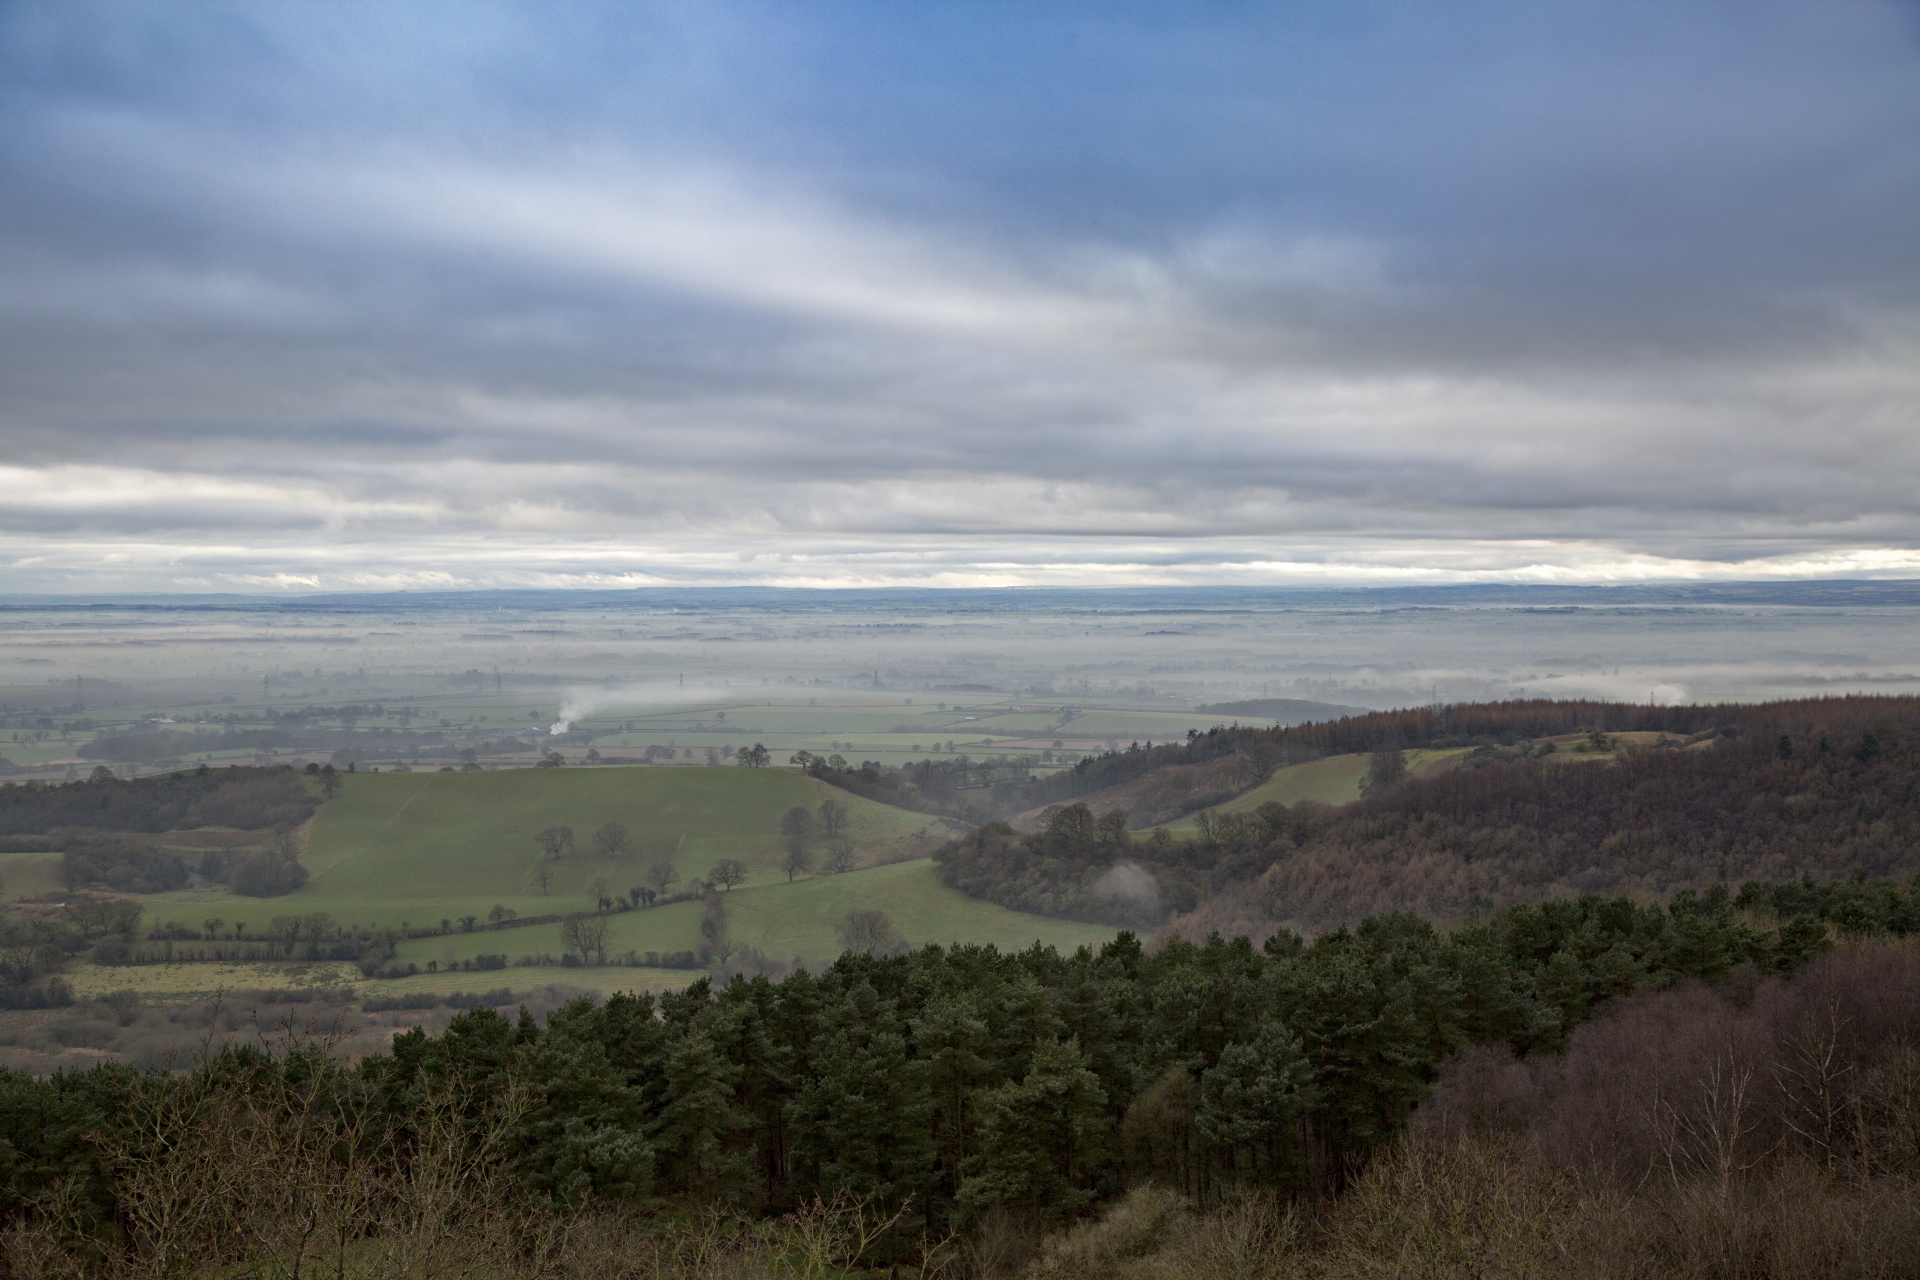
(555, 842)
(610, 841)
(839, 855)
(586, 935)
(869, 932)
(798, 861)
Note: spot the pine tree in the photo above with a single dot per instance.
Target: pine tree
(1254, 1102)
(698, 1120)
(1041, 1137)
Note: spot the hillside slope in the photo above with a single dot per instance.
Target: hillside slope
(419, 847)
(1821, 788)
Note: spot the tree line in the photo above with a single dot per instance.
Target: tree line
(1000, 786)
(952, 1084)
(236, 796)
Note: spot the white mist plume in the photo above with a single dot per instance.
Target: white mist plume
(1129, 882)
(578, 704)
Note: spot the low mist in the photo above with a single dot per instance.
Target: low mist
(1130, 883)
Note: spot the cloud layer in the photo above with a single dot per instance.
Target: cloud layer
(489, 295)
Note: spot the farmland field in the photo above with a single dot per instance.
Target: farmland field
(171, 981)
(799, 919)
(426, 851)
(28, 875)
(1334, 780)
(785, 921)
(417, 848)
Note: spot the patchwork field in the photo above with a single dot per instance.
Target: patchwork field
(891, 730)
(784, 921)
(427, 850)
(418, 848)
(401, 719)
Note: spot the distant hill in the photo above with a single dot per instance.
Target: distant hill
(1641, 800)
(1285, 711)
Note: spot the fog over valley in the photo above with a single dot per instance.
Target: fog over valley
(528, 672)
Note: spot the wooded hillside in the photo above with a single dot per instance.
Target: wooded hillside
(237, 796)
(1821, 788)
(962, 1083)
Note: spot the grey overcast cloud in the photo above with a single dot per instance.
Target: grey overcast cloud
(364, 296)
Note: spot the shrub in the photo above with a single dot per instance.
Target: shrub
(125, 865)
(266, 875)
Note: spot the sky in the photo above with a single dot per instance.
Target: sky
(342, 296)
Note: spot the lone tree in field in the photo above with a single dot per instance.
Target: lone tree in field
(833, 818)
(542, 875)
(871, 933)
(329, 782)
(555, 842)
(796, 827)
(796, 833)
(728, 872)
(754, 757)
(662, 874)
(1387, 769)
(839, 855)
(598, 888)
(610, 841)
(588, 936)
(799, 859)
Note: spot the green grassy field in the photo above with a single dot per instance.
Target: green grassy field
(890, 730)
(799, 919)
(1161, 726)
(1334, 780)
(418, 848)
(603, 979)
(784, 920)
(175, 980)
(28, 875)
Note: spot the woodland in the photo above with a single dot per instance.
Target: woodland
(234, 796)
(961, 1099)
(1776, 791)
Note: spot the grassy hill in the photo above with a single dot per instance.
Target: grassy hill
(1334, 780)
(786, 920)
(1493, 812)
(421, 848)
